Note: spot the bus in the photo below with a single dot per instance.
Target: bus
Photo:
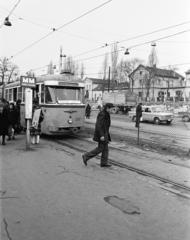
(61, 98)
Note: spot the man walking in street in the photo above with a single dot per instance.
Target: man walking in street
(102, 136)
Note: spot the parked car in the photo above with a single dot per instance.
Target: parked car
(186, 116)
(155, 114)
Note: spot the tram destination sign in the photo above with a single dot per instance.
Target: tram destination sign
(29, 82)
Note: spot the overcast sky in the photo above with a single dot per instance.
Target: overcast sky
(117, 20)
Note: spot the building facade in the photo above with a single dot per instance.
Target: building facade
(155, 84)
(187, 85)
(94, 88)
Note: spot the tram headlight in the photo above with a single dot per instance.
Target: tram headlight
(70, 120)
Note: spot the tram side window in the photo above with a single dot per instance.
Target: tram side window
(23, 96)
(49, 95)
(19, 92)
(6, 94)
(10, 97)
(14, 94)
(42, 93)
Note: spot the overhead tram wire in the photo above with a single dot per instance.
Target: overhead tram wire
(13, 8)
(136, 37)
(62, 26)
(156, 31)
(137, 45)
(132, 46)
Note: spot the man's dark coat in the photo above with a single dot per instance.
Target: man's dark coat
(102, 127)
(4, 124)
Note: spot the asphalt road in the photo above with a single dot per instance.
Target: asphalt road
(174, 139)
(47, 193)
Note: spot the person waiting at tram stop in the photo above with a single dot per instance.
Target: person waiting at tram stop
(88, 110)
(12, 121)
(18, 123)
(138, 114)
(37, 118)
(3, 119)
(102, 136)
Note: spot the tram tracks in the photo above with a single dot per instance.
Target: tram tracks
(165, 183)
(161, 143)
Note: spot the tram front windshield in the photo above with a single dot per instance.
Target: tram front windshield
(63, 94)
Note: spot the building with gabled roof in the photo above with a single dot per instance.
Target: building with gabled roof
(94, 88)
(152, 83)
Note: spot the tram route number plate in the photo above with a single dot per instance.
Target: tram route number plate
(29, 82)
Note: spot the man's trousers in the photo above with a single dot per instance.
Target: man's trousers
(102, 148)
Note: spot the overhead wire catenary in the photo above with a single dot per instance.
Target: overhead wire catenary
(133, 46)
(62, 26)
(137, 36)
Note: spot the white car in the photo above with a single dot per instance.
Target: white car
(155, 114)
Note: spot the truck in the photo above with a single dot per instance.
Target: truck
(122, 100)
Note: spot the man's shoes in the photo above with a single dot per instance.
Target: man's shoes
(84, 160)
(105, 165)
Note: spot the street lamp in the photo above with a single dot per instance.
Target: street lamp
(153, 44)
(127, 52)
(7, 22)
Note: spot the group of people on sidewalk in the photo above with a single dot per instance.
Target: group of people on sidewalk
(9, 119)
(10, 122)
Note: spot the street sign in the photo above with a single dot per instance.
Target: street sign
(28, 103)
(29, 82)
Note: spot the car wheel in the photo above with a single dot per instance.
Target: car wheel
(186, 118)
(134, 119)
(157, 121)
(169, 122)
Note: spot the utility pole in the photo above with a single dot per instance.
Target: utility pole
(109, 80)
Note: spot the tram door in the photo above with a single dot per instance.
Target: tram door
(36, 93)
(14, 94)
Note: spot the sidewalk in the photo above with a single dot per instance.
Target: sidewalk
(47, 193)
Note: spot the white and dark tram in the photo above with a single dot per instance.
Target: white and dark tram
(61, 98)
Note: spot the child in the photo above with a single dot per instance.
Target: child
(36, 123)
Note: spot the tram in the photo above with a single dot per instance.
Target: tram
(61, 98)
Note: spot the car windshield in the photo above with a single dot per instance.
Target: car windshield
(159, 109)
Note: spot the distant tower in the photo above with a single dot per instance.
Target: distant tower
(61, 56)
(60, 59)
(152, 58)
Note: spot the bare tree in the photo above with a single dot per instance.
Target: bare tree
(147, 84)
(50, 69)
(125, 68)
(152, 58)
(105, 66)
(82, 71)
(71, 66)
(114, 61)
(7, 70)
